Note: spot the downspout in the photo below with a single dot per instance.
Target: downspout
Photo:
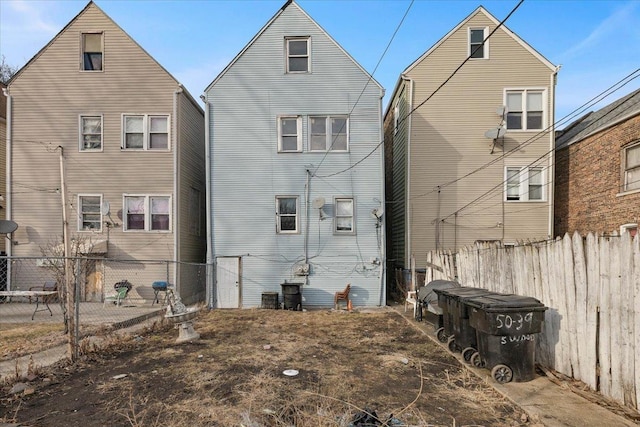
(382, 222)
(306, 231)
(408, 173)
(208, 198)
(9, 152)
(176, 190)
(552, 150)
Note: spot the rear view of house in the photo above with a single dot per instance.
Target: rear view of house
(469, 152)
(102, 135)
(294, 134)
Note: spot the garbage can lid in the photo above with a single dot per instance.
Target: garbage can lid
(426, 293)
(464, 292)
(508, 302)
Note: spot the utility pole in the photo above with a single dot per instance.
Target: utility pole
(69, 286)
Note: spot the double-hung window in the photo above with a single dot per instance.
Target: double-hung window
(89, 212)
(525, 109)
(524, 184)
(147, 213)
(297, 54)
(91, 52)
(145, 132)
(344, 222)
(328, 133)
(632, 167)
(289, 134)
(478, 47)
(286, 214)
(90, 133)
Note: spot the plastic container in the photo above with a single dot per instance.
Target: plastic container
(506, 328)
(292, 296)
(427, 298)
(462, 337)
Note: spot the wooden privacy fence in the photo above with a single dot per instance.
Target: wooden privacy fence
(591, 287)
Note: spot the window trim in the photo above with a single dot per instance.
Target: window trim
(287, 55)
(485, 48)
(147, 213)
(80, 212)
(146, 132)
(297, 215)
(82, 51)
(624, 170)
(523, 193)
(351, 232)
(298, 130)
(524, 91)
(328, 136)
(631, 228)
(81, 133)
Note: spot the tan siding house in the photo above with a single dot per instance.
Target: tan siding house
(130, 140)
(3, 166)
(471, 159)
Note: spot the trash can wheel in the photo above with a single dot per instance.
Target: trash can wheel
(441, 335)
(476, 360)
(451, 344)
(502, 374)
(467, 353)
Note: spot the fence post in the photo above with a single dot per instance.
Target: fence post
(76, 313)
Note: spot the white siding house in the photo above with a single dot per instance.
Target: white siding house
(295, 170)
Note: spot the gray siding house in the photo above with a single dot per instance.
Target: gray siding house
(94, 108)
(470, 160)
(295, 170)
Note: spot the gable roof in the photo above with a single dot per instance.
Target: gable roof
(89, 5)
(506, 30)
(593, 122)
(268, 24)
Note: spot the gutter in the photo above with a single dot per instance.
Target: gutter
(407, 214)
(210, 255)
(9, 160)
(552, 146)
(382, 223)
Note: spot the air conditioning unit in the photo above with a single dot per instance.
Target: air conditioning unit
(301, 270)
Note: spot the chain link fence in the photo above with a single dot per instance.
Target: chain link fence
(50, 306)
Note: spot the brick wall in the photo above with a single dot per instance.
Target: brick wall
(589, 182)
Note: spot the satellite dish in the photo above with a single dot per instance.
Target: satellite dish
(105, 208)
(501, 111)
(318, 203)
(495, 133)
(7, 226)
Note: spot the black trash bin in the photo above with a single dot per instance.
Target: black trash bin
(462, 337)
(291, 296)
(506, 328)
(426, 298)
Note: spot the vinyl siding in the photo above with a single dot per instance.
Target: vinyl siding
(3, 168)
(448, 142)
(248, 172)
(49, 95)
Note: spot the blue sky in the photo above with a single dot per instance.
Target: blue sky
(597, 43)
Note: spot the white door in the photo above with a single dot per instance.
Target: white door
(228, 282)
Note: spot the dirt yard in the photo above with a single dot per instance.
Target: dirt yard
(233, 376)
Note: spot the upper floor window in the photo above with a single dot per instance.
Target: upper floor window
(328, 133)
(89, 212)
(344, 219)
(145, 132)
(90, 133)
(147, 213)
(297, 52)
(289, 134)
(525, 109)
(286, 214)
(92, 51)
(632, 167)
(524, 184)
(478, 48)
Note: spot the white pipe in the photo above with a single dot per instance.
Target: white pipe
(208, 198)
(176, 190)
(381, 222)
(9, 150)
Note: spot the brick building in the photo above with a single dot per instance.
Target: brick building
(597, 187)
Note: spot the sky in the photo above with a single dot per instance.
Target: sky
(596, 43)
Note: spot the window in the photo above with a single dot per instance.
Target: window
(478, 50)
(194, 212)
(92, 51)
(145, 132)
(90, 133)
(524, 184)
(632, 168)
(290, 134)
(328, 133)
(344, 218)
(631, 228)
(90, 213)
(147, 213)
(297, 54)
(525, 109)
(287, 214)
